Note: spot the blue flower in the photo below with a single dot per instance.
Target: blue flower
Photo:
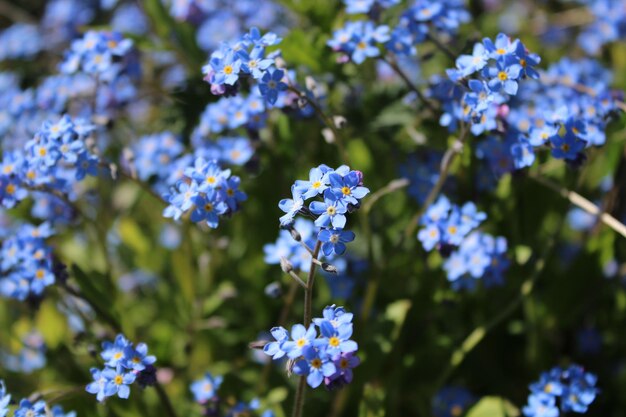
(502, 48)
(300, 337)
(137, 358)
(113, 353)
(271, 84)
(541, 405)
(331, 211)
(27, 409)
(117, 381)
(274, 349)
(208, 208)
(291, 206)
(5, 399)
(334, 240)
(315, 366)
(567, 146)
(504, 78)
(359, 40)
(255, 62)
(336, 340)
(348, 186)
(344, 364)
(317, 183)
(205, 388)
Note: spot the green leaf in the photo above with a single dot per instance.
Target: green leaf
(493, 407)
(360, 155)
(51, 324)
(132, 235)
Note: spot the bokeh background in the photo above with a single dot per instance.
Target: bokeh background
(198, 297)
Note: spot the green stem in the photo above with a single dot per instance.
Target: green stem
(327, 120)
(446, 164)
(298, 404)
(394, 65)
(480, 332)
(165, 400)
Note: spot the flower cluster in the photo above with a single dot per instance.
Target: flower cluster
(446, 225)
(327, 357)
(359, 40)
(469, 256)
(218, 21)
(566, 112)
(207, 191)
(103, 54)
(572, 386)
(28, 409)
(26, 266)
(229, 113)
(368, 6)
(423, 18)
(246, 57)
(609, 24)
(20, 41)
(341, 190)
(31, 357)
(204, 392)
(501, 65)
(55, 159)
(124, 364)
(479, 256)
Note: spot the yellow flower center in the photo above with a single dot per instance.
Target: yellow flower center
(211, 180)
(39, 274)
(316, 363)
(42, 151)
(522, 62)
(501, 51)
(119, 379)
(502, 76)
(333, 341)
(208, 207)
(10, 189)
(331, 210)
(316, 184)
(301, 342)
(345, 190)
(228, 69)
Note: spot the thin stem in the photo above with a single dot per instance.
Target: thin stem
(446, 164)
(327, 120)
(584, 204)
(298, 404)
(297, 279)
(480, 332)
(393, 185)
(308, 294)
(165, 400)
(146, 187)
(443, 48)
(394, 65)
